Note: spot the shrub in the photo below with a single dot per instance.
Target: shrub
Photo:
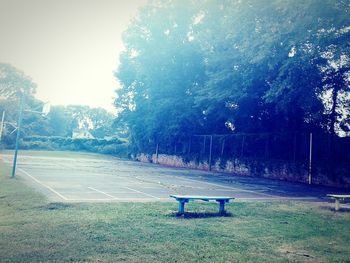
(113, 146)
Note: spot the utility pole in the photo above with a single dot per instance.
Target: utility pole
(2, 124)
(18, 135)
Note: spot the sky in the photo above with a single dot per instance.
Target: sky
(70, 48)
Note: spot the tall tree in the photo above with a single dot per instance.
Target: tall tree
(14, 83)
(264, 58)
(159, 71)
(96, 120)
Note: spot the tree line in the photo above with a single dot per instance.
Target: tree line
(60, 122)
(225, 67)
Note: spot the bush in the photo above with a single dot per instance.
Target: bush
(113, 146)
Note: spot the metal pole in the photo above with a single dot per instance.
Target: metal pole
(242, 148)
(222, 147)
(210, 151)
(205, 137)
(157, 149)
(2, 124)
(310, 160)
(17, 137)
(295, 146)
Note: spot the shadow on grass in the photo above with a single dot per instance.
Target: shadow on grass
(332, 209)
(194, 215)
(55, 206)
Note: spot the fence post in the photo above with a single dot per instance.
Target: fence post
(222, 146)
(242, 149)
(157, 149)
(294, 146)
(210, 151)
(310, 160)
(205, 138)
(267, 146)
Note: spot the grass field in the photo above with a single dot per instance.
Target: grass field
(34, 230)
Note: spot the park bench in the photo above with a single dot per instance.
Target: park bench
(338, 198)
(182, 199)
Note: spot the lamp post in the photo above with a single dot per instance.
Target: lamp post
(18, 135)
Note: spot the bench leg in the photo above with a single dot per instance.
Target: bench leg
(181, 207)
(337, 204)
(221, 207)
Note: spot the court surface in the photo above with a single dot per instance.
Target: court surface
(108, 179)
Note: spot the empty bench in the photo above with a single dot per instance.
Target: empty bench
(182, 199)
(338, 198)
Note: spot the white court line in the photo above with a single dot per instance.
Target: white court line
(89, 199)
(115, 198)
(141, 192)
(276, 198)
(227, 187)
(112, 200)
(41, 183)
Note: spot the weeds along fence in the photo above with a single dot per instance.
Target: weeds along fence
(315, 153)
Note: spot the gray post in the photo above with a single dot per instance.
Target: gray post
(310, 160)
(17, 137)
(242, 148)
(205, 138)
(294, 146)
(2, 124)
(210, 151)
(222, 147)
(267, 147)
(157, 149)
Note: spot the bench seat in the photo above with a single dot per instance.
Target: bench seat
(338, 198)
(182, 199)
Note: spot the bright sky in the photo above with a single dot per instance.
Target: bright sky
(69, 48)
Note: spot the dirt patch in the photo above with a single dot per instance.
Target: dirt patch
(297, 255)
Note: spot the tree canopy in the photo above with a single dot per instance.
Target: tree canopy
(194, 67)
(14, 83)
(61, 121)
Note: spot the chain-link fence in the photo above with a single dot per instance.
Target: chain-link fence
(314, 152)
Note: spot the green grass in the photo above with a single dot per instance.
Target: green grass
(34, 230)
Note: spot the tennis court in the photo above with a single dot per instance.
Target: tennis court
(106, 179)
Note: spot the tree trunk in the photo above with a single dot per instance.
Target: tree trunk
(333, 118)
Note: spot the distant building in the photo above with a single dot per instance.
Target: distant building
(82, 134)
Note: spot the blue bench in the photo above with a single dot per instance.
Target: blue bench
(182, 199)
(338, 198)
